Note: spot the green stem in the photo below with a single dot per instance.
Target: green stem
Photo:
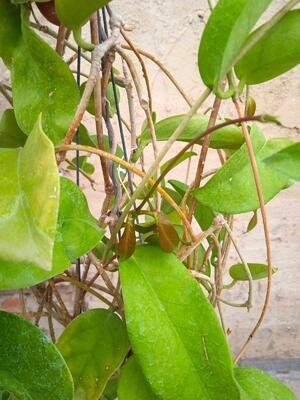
(81, 42)
(154, 167)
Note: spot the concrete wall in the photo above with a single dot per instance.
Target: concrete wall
(170, 29)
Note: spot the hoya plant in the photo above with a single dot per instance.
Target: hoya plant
(154, 256)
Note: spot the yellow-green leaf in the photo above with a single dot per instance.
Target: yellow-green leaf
(29, 201)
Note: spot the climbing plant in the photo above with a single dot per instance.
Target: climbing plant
(155, 253)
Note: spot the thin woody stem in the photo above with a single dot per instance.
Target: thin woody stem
(266, 230)
(134, 170)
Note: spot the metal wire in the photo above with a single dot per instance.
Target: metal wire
(78, 79)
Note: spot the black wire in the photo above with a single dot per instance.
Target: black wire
(120, 124)
(113, 80)
(78, 78)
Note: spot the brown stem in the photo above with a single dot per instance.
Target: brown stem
(204, 150)
(266, 230)
(61, 40)
(98, 102)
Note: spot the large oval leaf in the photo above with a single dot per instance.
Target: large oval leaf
(173, 329)
(42, 82)
(232, 189)
(132, 383)
(31, 367)
(274, 54)
(10, 30)
(260, 386)
(224, 35)
(77, 232)
(11, 135)
(29, 201)
(74, 14)
(286, 162)
(229, 137)
(94, 345)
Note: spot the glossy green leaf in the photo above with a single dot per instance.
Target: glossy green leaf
(230, 137)
(75, 14)
(224, 35)
(94, 346)
(11, 135)
(133, 384)
(10, 30)
(173, 329)
(286, 162)
(79, 229)
(29, 201)
(31, 367)
(274, 54)
(260, 386)
(42, 82)
(232, 189)
(77, 232)
(258, 271)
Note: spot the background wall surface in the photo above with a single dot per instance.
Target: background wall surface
(170, 29)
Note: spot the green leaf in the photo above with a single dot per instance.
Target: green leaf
(232, 189)
(286, 162)
(230, 137)
(31, 368)
(224, 35)
(181, 159)
(133, 384)
(91, 140)
(75, 14)
(10, 30)
(260, 386)
(258, 271)
(173, 329)
(77, 232)
(110, 391)
(29, 201)
(253, 222)
(83, 164)
(109, 96)
(111, 99)
(79, 229)
(42, 82)
(274, 54)
(11, 135)
(203, 215)
(94, 346)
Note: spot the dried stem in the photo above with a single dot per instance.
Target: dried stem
(266, 230)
